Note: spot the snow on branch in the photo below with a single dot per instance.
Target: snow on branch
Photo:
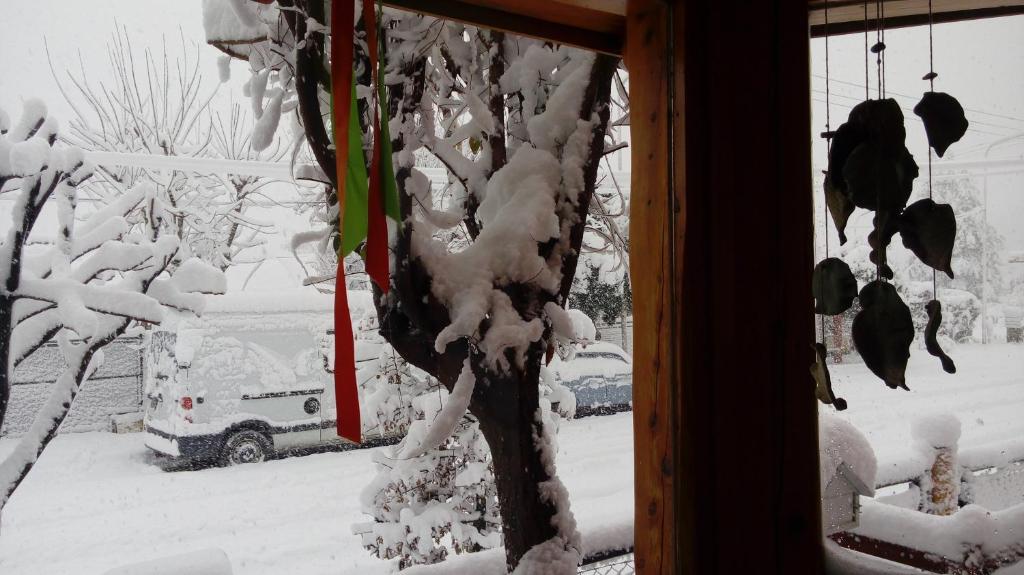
(449, 417)
(96, 281)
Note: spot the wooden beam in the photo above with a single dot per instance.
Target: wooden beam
(597, 25)
(748, 499)
(655, 321)
(847, 16)
(724, 411)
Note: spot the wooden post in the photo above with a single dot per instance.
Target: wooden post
(651, 273)
(724, 410)
(937, 436)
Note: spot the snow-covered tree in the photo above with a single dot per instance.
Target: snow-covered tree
(156, 104)
(602, 298)
(98, 279)
(520, 125)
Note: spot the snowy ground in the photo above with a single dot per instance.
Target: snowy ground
(96, 502)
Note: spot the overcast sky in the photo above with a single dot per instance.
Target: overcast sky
(980, 62)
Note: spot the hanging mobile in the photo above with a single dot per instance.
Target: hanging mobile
(870, 167)
(928, 229)
(833, 284)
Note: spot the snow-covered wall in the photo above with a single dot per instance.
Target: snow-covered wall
(116, 388)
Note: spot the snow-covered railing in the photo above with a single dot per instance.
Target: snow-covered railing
(971, 541)
(937, 527)
(611, 563)
(991, 475)
(980, 459)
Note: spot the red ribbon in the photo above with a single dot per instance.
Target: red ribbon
(346, 392)
(377, 260)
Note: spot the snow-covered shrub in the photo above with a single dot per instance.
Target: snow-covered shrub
(960, 309)
(439, 503)
(389, 384)
(443, 501)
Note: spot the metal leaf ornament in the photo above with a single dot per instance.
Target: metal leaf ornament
(943, 118)
(839, 206)
(880, 178)
(931, 340)
(886, 226)
(869, 161)
(822, 379)
(834, 286)
(928, 229)
(883, 331)
(844, 142)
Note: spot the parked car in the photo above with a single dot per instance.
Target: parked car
(601, 377)
(247, 379)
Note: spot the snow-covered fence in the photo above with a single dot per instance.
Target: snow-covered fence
(992, 474)
(973, 541)
(934, 525)
(115, 389)
(617, 563)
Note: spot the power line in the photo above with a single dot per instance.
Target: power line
(908, 113)
(975, 110)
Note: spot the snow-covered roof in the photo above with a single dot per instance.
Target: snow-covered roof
(224, 26)
(846, 452)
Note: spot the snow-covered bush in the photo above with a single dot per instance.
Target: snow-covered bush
(960, 309)
(443, 501)
(439, 503)
(96, 281)
(389, 385)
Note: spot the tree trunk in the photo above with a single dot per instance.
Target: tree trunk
(510, 421)
(6, 371)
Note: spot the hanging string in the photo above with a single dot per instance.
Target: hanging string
(877, 48)
(879, 51)
(867, 82)
(828, 148)
(931, 86)
(882, 7)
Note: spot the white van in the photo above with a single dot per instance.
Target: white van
(247, 379)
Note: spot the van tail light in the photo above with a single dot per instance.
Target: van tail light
(186, 403)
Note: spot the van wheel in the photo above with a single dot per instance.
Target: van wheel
(246, 446)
